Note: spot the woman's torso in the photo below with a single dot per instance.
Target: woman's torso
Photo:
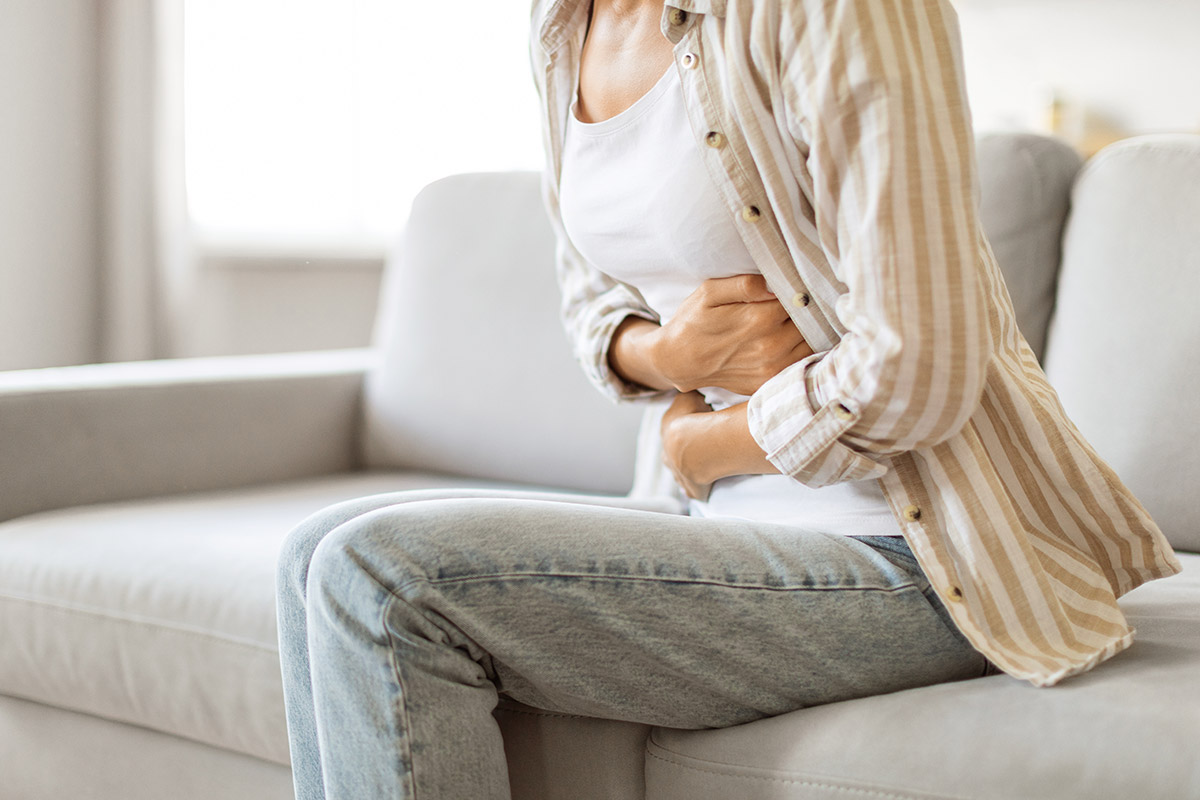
(638, 203)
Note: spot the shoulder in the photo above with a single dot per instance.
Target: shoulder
(539, 9)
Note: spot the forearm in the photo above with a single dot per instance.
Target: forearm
(720, 446)
(632, 354)
(701, 446)
(729, 332)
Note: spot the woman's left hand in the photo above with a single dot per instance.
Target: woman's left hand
(682, 452)
(701, 446)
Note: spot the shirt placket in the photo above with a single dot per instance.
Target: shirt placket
(724, 155)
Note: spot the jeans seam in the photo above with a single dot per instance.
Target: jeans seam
(406, 721)
(652, 579)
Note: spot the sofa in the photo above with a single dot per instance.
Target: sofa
(142, 507)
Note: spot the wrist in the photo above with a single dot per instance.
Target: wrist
(662, 350)
(693, 444)
(632, 353)
(722, 446)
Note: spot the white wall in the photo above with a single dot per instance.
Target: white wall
(272, 304)
(48, 183)
(1130, 65)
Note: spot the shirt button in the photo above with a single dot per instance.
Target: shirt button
(911, 513)
(676, 16)
(841, 412)
(714, 139)
(689, 61)
(751, 213)
(801, 299)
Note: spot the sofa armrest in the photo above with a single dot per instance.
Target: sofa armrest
(78, 435)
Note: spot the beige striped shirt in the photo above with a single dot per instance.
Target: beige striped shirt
(846, 156)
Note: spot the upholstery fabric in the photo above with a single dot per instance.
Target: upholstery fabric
(1025, 181)
(153, 620)
(1128, 729)
(1125, 334)
(104, 432)
(563, 757)
(131, 628)
(162, 613)
(48, 752)
(54, 753)
(511, 407)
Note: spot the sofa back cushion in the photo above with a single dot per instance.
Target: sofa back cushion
(476, 376)
(1123, 344)
(1025, 184)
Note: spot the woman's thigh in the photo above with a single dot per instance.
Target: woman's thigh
(651, 617)
(300, 544)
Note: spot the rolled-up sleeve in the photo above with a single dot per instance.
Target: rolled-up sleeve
(593, 304)
(883, 117)
(593, 307)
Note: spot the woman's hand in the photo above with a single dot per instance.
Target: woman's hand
(680, 451)
(730, 332)
(701, 446)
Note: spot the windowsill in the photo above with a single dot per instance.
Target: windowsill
(263, 253)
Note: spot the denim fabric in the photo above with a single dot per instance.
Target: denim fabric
(403, 618)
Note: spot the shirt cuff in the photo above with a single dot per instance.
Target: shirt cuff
(596, 340)
(801, 440)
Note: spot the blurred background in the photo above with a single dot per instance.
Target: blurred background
(210, 177)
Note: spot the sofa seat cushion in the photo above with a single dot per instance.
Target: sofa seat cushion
(161, 613)
(1127, 729)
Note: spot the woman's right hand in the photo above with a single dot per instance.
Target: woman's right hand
(730, 332)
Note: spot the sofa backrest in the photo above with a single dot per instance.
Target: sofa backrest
(1124, 345)
(476, 376)
(1025, 183)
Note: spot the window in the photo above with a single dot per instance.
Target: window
(314, 122)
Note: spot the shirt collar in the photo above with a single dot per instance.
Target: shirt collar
(715, 8)
(561, 18)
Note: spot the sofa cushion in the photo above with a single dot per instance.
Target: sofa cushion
(1025, 183)
(162, 613)
(476, 376)
(472, 284)
(1126, 729)
(1124, 339)
(49, 754)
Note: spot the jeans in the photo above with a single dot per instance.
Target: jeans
(404, 617)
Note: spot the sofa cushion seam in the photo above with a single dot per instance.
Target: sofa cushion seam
(888, 794)
(136, 620)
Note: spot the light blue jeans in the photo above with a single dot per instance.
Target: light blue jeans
(404, 617)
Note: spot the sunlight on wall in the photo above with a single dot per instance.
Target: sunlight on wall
(1085, 71)
(316, 121)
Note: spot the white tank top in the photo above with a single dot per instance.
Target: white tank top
(638, 204)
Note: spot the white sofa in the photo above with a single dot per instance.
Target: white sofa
(143, 506)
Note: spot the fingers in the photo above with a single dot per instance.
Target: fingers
(800, 348)
(801, 351)
(736, 289)
(685, 403)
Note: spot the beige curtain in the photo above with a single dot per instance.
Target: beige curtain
(145, 257)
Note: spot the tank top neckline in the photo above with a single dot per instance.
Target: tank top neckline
(626, 117)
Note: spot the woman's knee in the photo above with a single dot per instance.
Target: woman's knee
(296, 554)
(407, 544)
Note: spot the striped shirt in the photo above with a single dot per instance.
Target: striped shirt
(839, 138)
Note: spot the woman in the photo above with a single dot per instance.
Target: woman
(766, 219)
